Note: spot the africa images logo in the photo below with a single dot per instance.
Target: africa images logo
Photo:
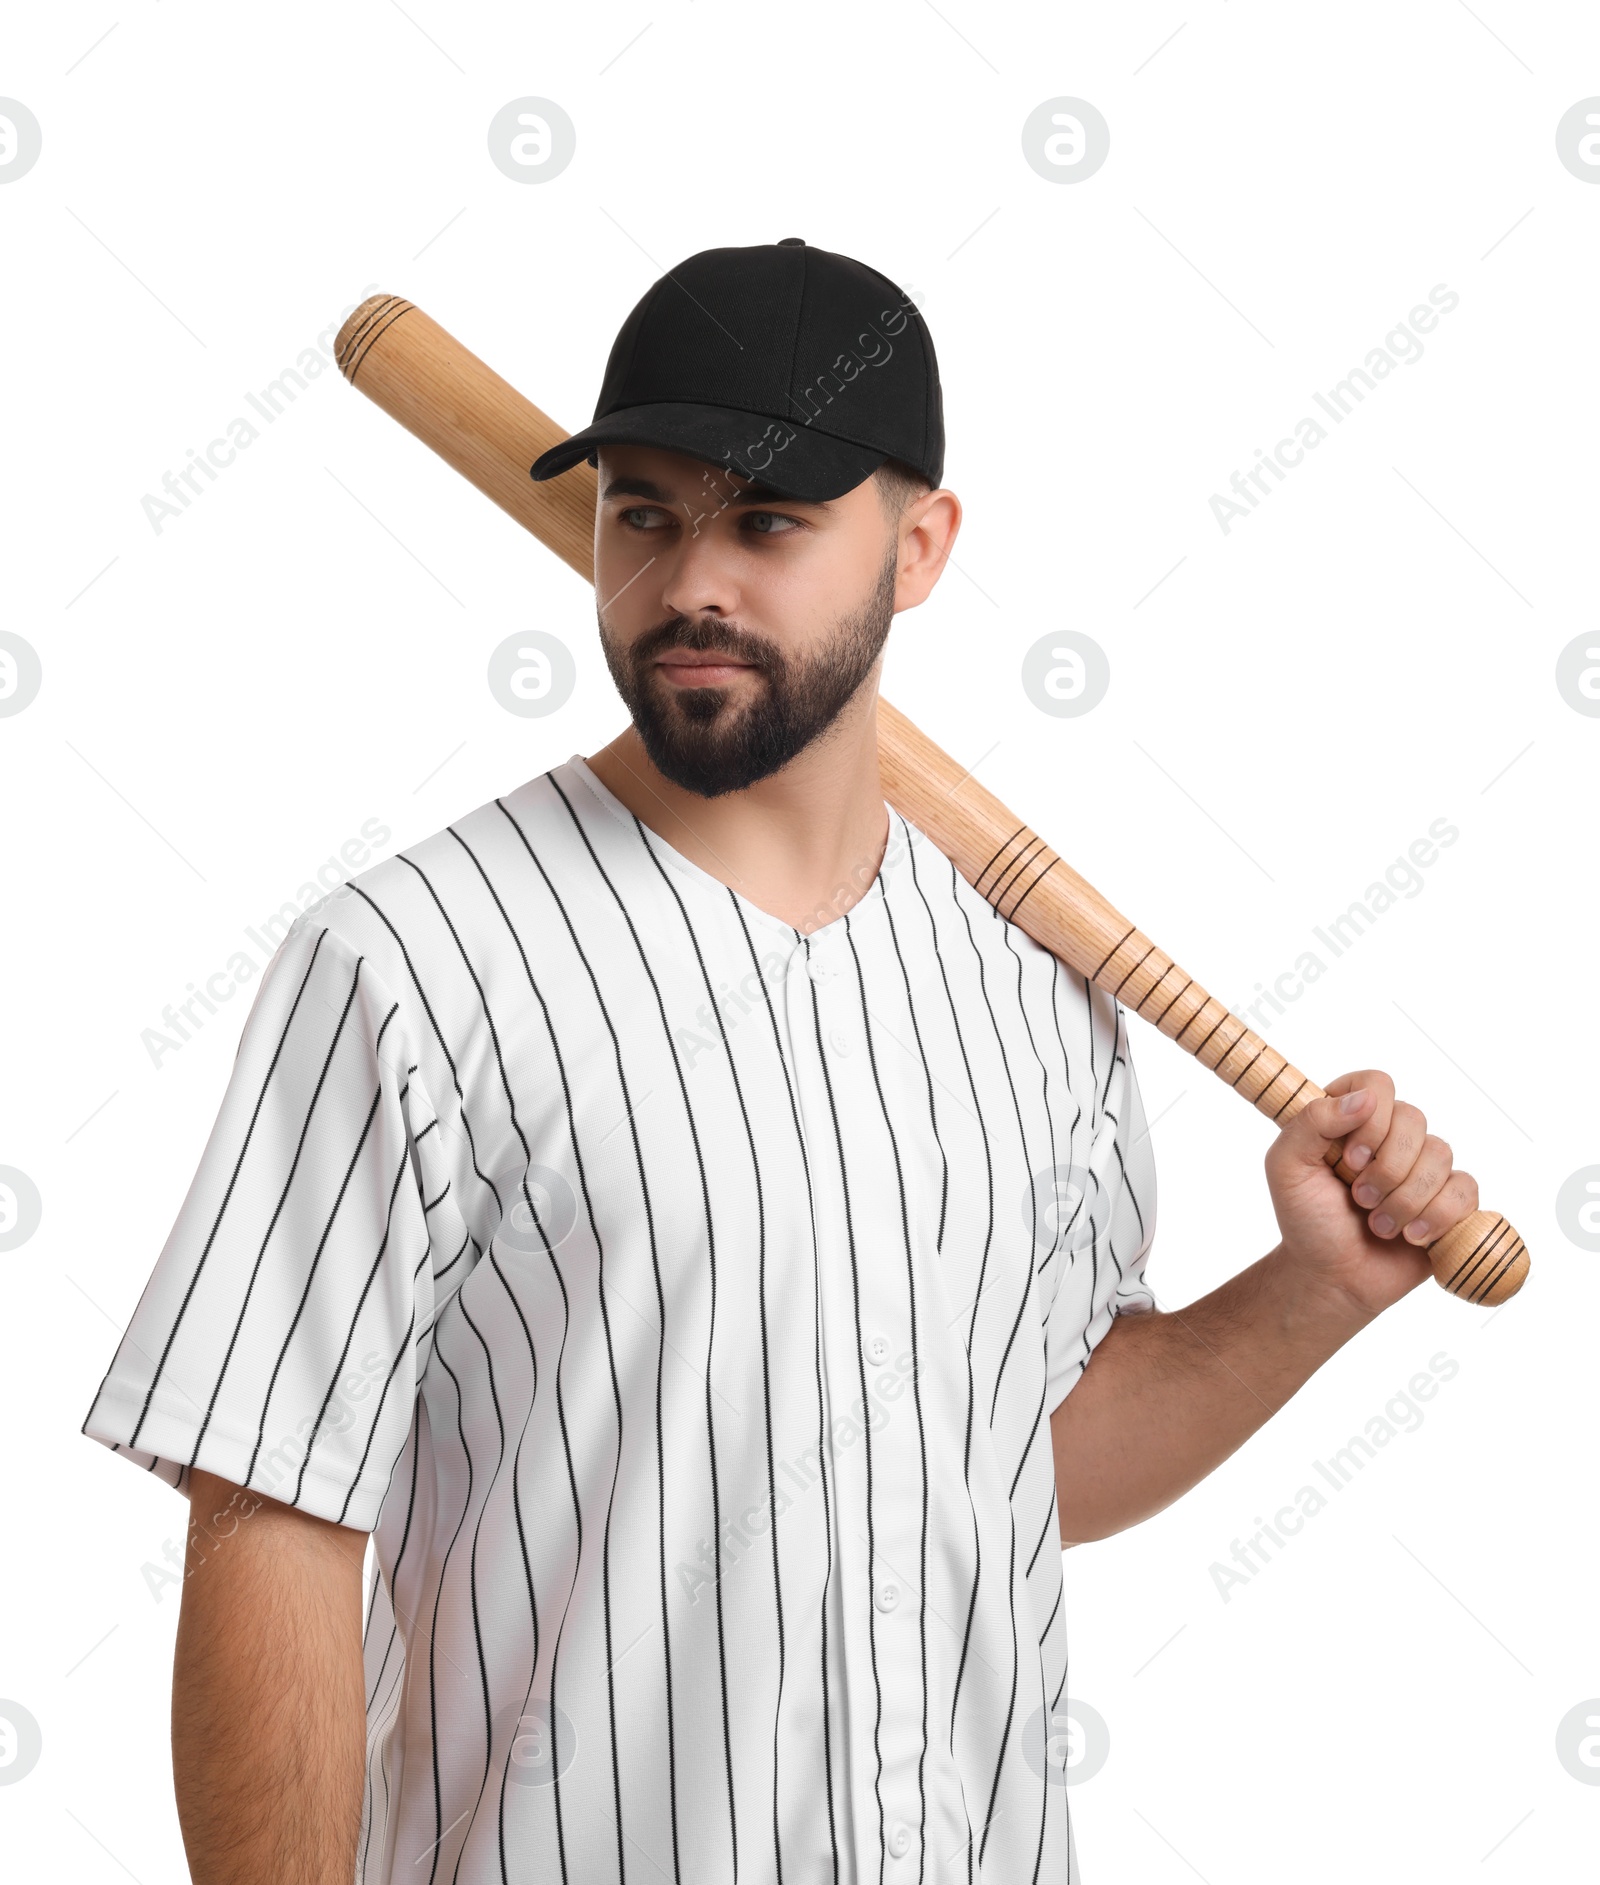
(1402, 346)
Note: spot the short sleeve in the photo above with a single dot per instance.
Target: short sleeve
(275, 1341)
(1107, 1226)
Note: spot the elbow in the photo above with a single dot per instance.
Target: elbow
(1080, 1533)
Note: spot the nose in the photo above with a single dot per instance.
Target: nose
(699, 578)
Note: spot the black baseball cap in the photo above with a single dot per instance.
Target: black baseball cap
(783, 363)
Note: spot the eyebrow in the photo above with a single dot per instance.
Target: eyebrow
(744, 494)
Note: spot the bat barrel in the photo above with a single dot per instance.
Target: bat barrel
(479, 423)
(476, 421)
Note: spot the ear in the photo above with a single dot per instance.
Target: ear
(928, 529)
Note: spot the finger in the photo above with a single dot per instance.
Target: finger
(1410, 1198)
(1359, 1147)
(1457, 1198)
(1395, 1155)
(1304, 1141)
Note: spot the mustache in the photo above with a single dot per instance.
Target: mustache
(706, 636)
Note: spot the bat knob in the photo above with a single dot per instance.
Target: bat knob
(1481, 1259)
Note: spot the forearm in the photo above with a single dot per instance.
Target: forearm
(268, 1703)
(1168, 1395)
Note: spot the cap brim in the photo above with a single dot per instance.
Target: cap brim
(793, 459)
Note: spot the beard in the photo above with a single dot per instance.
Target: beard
(699, 739)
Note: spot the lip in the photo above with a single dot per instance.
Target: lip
(700, 670)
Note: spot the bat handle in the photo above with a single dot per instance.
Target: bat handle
(1481, 1259)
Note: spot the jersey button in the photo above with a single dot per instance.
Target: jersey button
(878, 1349)
(888, 1596)
(900, 1839)
(838, 1042)
(818, 970)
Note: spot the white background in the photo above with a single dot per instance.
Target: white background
(225, 701)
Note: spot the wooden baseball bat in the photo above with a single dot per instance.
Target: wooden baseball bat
(491, 434)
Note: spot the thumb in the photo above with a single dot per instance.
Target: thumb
(1312, 1135)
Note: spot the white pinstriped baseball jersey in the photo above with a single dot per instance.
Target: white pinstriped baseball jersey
(682, 1300)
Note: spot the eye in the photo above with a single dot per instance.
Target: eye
(639, 516)
(762, 522)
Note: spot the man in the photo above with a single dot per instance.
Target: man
(676, 1214)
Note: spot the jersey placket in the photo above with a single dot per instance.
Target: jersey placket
(875, 1464)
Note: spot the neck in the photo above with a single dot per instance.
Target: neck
(804, 844)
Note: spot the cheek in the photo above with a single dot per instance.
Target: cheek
(630, 601)
(810, 586)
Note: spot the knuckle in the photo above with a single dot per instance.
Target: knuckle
(1390, 1164)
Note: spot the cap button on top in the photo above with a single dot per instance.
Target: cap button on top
(791, 242)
